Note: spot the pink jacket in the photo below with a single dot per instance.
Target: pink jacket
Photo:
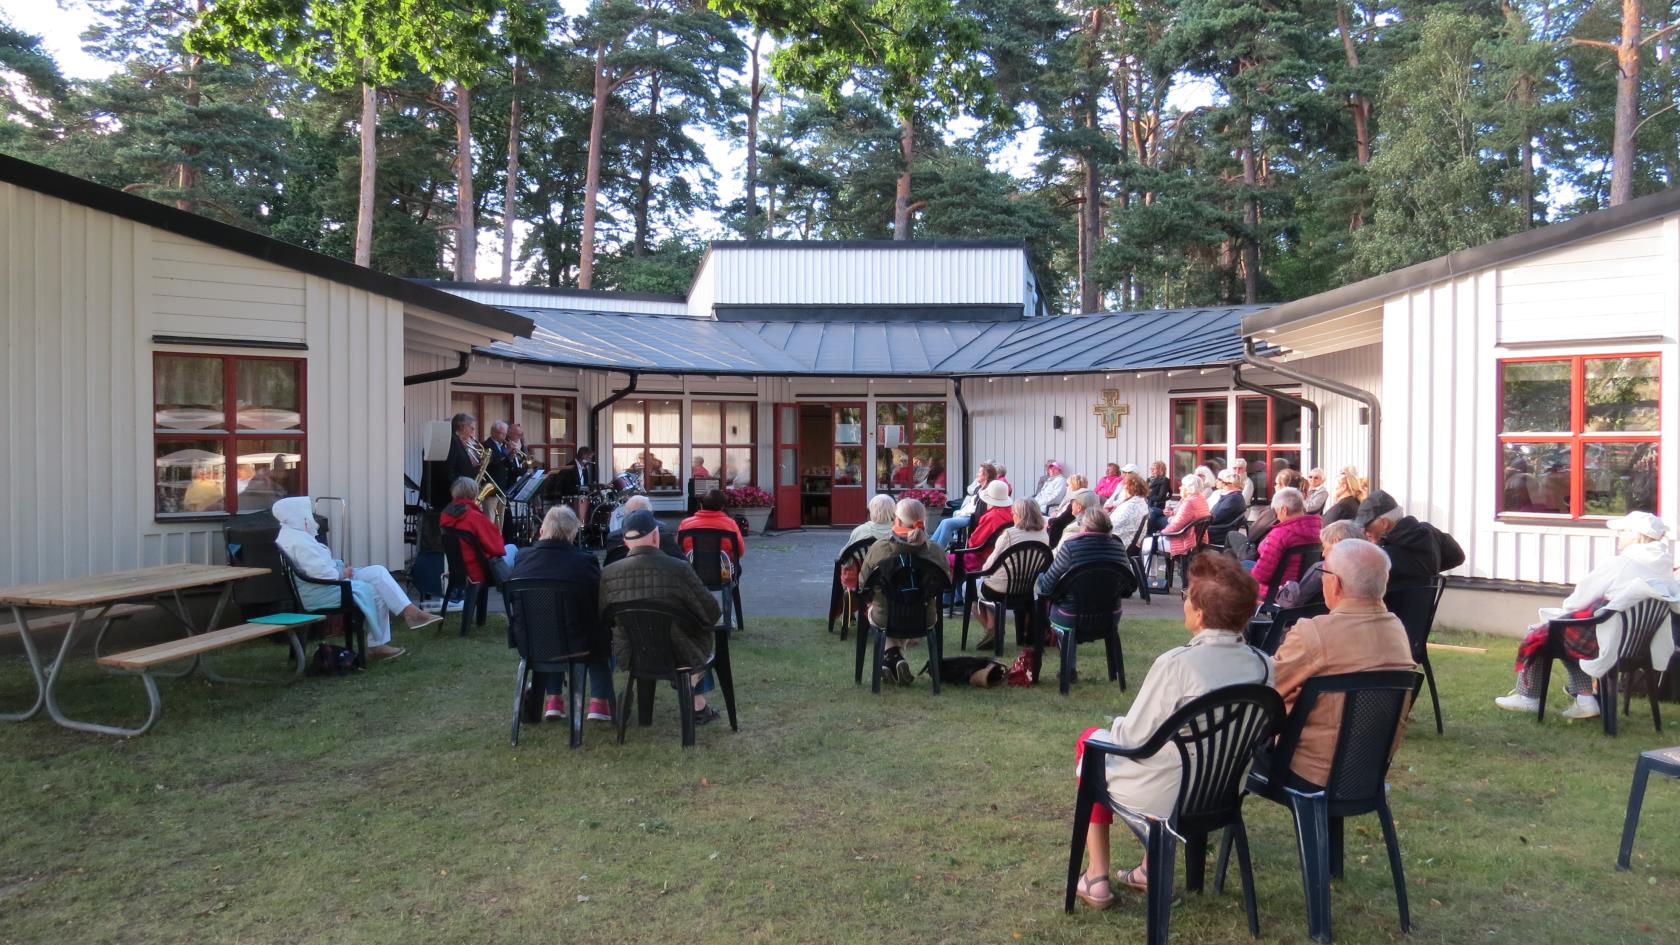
(1300, 530)
(1189, 509)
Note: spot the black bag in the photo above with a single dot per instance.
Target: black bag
(968, 670)
(331, 660)
(741, 520)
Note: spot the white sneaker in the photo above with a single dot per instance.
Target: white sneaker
(1517, 702)
(1585, 707)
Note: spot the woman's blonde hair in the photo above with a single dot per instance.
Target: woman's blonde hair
(1349, 483)
(1077, 482)
(1133, 484)
(881, 509)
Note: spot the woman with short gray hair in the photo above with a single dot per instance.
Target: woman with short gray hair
(1029, 526)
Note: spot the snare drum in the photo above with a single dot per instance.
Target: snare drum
(626, 482)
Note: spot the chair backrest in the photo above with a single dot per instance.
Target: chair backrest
(650, 627)
(905, 584)
(1216, 735)
(1373, 707)
(1640, 624)
(1286, 618)
(1305, 555)
(549, 620)
(1200, 527)
(1415, 605)
(707, 551)
(250, 542)
(1095, 588)
(1021, 565)
(456, 542)
(1136, 544)
(854, 552)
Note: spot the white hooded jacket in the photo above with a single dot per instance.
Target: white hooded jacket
(1639, 573)
(296, 516)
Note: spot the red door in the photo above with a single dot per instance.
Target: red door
(851, 475)
(787, 466)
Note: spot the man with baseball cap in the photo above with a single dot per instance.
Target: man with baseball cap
(1642, 569)
(1052, 487)
(646, 573)
(1417, 550)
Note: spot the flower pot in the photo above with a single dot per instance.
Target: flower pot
(757, 519)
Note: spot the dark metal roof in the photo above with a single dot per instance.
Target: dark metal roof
(151, 213)
(1475, 259)
(1082, 344)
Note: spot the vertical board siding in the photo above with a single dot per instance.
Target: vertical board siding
(1012, 424)
(597, 302)
(881, 276)
(1343, 439)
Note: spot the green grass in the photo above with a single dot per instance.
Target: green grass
(389, 808)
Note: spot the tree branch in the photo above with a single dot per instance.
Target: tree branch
(1577, 41)
(1659, 34)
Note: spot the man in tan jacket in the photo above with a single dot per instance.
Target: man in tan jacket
(1358, 635)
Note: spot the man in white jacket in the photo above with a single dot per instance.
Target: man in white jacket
(1052, 487)
(1642, 569)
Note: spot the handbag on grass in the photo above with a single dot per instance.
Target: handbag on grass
(973, 670)
(1025, 670)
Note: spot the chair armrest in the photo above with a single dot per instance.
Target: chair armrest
(1119, 751)
(346, 594)
(1598, 617)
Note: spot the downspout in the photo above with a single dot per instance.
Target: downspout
(966, 428)
(1336, 387)
(595, 411)
(1307, 406)
(446, 374)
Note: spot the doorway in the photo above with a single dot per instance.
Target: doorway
(819, 464)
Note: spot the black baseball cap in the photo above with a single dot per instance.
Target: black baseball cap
(639, 523)
(1375, 506)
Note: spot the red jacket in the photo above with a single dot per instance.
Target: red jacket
(719, 520)
(984, 533)
(1300, 530)
(469, 519)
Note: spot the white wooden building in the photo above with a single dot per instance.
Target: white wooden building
(163, 370)
(1522, 393)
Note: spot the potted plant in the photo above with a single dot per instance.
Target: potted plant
(934, 499)
(752, 504)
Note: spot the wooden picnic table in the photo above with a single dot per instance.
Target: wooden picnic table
(160, 586)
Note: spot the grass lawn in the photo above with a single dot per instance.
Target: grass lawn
(389, 808)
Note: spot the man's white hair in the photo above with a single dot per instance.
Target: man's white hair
(1290, 499)
(1362, 568)
(636, 502)
(560, 522)
(881, 509)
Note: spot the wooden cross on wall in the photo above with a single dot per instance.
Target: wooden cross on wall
(1111, 410)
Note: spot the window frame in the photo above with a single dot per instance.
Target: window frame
(1576, 436)
(751, 444)
(230, 435)
(477, 398)
(1271, 447)
(910, 443)
(1201, 447)
(645, 444)
(546, 457)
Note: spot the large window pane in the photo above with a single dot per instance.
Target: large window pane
(1620, 478)
(1259, 472)
(708, 422)
(1536, 478)
(1621, 395)
(848, 466)
(704, 462)
(737, 466)
(268, 395)
(1252, 427)
(188, 393)
(1534, 396)
(191, 476)
(656, 466)
(929, 421)
(664, 421)
(893, 470)
(1213, 459)
(496, 407)
(463, 403)
(738, 424)
(1184, 422)
(928, 464)
(892, 426)
(1183, 464)
(1286, 422)
(848, 425)
(632, 426)
(1214, 427)
(268, 470)
(1281, 460)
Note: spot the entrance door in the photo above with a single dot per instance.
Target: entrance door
(787, 466)
(850, 474)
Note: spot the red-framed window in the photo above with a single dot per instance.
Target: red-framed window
(1201, 433)
(486, 408)
(647, 441)
(549, 423)
(724, 434)
(909, 445)
(1579, 436)
(1269, 438)
(228, 433)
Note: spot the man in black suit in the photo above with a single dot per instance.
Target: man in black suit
(502, 468)
(578, 476)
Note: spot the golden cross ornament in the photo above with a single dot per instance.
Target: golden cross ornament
(1111, 410)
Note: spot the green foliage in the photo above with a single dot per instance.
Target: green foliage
(668, 268)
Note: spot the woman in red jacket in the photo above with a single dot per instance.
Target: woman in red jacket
(464, 515)
(989, 525)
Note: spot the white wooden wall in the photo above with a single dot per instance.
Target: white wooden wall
(506, 297)
(1618, 285)
(1343, 439)
(83, 294)
(1441, 348)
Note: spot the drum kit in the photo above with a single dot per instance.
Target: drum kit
(606, 506)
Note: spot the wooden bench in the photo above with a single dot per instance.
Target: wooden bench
(146, 659)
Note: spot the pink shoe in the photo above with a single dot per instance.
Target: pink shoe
(600, 710)
(554, 707)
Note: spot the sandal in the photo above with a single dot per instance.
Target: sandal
(1129, 879)
(1082, 889)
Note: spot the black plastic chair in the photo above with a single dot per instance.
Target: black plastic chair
(1098, 588)
(1374, 705)
(548, 622)
(1021, 565)
(475, 598)
(843, 602)
(355, 626)
(1639, 625)
(1216, 735)
(707, 558)
(1663, 761)
(1416, 605)
(649, 627)
(1183, 561)
(904, 584)
(1134, 555)
(1266, 632)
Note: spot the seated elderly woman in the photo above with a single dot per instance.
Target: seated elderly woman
(1642, 569)
(1066, 523)
(555, 556)
(879, 526)
(377, 595)
(1109, 482)
(1129, 508)
(1217, 606)
(1191, 506)
(1246, 544)
(1028, 527)
(1095, 541)
(1295, 526)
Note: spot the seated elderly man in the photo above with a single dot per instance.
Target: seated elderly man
(1051, 489)
(1295, 526)
(1417, 550)
(646, 573)
(1066, 523)
(1358, 635)
(555, 556)
(908, 541)
(615, 540)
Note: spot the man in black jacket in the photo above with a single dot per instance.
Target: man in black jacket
(1160, 490)
(1417, 551)
(555, 556)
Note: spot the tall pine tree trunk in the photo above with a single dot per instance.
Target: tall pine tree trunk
(1251, 223)
(592, 176)
(510, 195)
(644, 182)
(755, 92)
(901, 193)
(185, 175)
(365, 177)
(1627, 105)
(466, 223)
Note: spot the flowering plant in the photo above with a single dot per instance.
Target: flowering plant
(747, 497)
(932, 498)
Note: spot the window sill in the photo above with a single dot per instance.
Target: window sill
(187, 518)
(1549, 525)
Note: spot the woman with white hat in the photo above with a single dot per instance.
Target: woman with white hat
(1642, 569)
